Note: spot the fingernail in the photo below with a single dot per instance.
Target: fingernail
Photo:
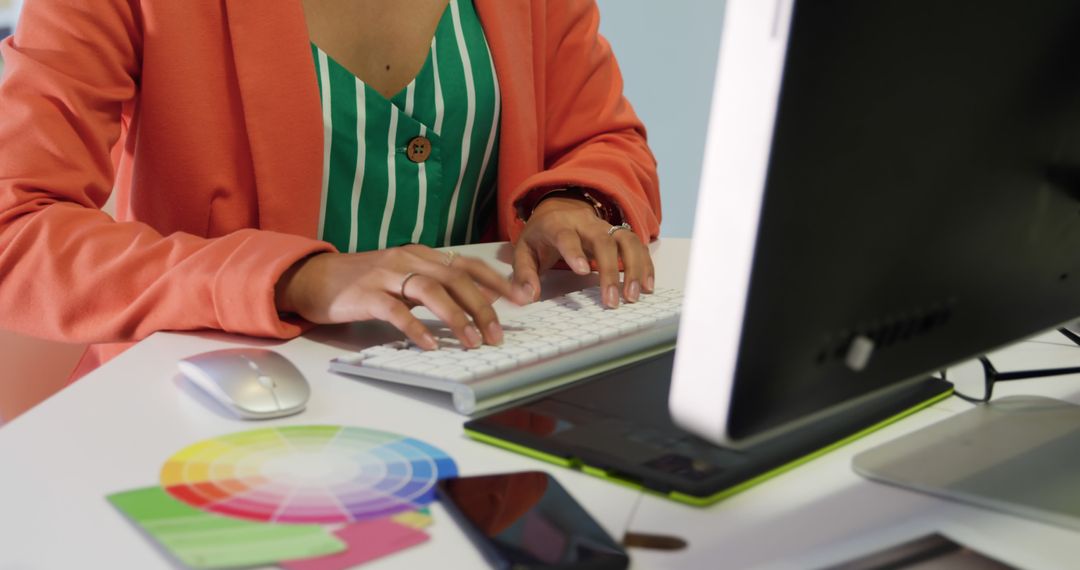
(649, 284)
(612, 297)
(472, 335)
(429, 342)
(529, 292)
(634, 292)
(495, 333)
(581, 265)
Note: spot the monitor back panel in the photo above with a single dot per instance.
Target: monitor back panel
(923, 192)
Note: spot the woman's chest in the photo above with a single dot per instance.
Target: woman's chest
(384, 43)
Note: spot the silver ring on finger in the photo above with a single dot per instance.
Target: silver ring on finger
(405, 281)
(623, 226)
(449, 257)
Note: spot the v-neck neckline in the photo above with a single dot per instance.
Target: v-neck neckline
(423, 68)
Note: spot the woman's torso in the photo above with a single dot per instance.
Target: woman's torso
(412, 163)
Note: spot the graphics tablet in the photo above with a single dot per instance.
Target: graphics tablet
(616, 425)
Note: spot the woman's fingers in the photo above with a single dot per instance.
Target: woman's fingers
(526, 270)
(463, 288)
(577, 236)
(649, 285)
(454, 288)
(490, 279)
(390, 309)
(568, 242)
(433, 294)
(479, 271)
(636, 264)
(607, 249)
(606, 253)
(334, 288)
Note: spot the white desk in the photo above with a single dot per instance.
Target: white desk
(112, 430)
(823, 513)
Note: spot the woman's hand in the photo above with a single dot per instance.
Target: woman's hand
(569, 229)
(384, 284)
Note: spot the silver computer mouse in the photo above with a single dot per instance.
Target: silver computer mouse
(253, 383)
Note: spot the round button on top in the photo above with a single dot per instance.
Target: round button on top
(419, 149)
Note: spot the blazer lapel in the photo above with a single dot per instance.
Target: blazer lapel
(282, 114)
(508, 25)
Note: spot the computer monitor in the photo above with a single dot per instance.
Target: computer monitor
(889, 187)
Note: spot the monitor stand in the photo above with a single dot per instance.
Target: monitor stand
(1017, 455)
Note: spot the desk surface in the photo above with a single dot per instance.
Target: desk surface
(112, 430)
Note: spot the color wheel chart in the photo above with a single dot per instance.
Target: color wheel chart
(307, 474)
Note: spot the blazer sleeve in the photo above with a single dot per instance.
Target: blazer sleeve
(592, 138)
(68, 271)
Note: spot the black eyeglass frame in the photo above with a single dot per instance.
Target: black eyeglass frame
(992, 376)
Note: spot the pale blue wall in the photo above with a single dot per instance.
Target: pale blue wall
(667, 51)
(9, 14)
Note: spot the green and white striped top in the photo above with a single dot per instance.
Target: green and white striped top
(374, 195)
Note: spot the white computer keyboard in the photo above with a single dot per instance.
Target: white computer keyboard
(545, 344)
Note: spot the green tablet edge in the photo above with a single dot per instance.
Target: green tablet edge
(718, 496)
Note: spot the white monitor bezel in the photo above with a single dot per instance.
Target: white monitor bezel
(746, 94)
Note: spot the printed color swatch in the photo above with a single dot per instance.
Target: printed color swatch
(204, 540)
(307, 474)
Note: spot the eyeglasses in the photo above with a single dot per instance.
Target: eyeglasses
(971, 372)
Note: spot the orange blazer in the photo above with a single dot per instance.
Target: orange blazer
(205, 117)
